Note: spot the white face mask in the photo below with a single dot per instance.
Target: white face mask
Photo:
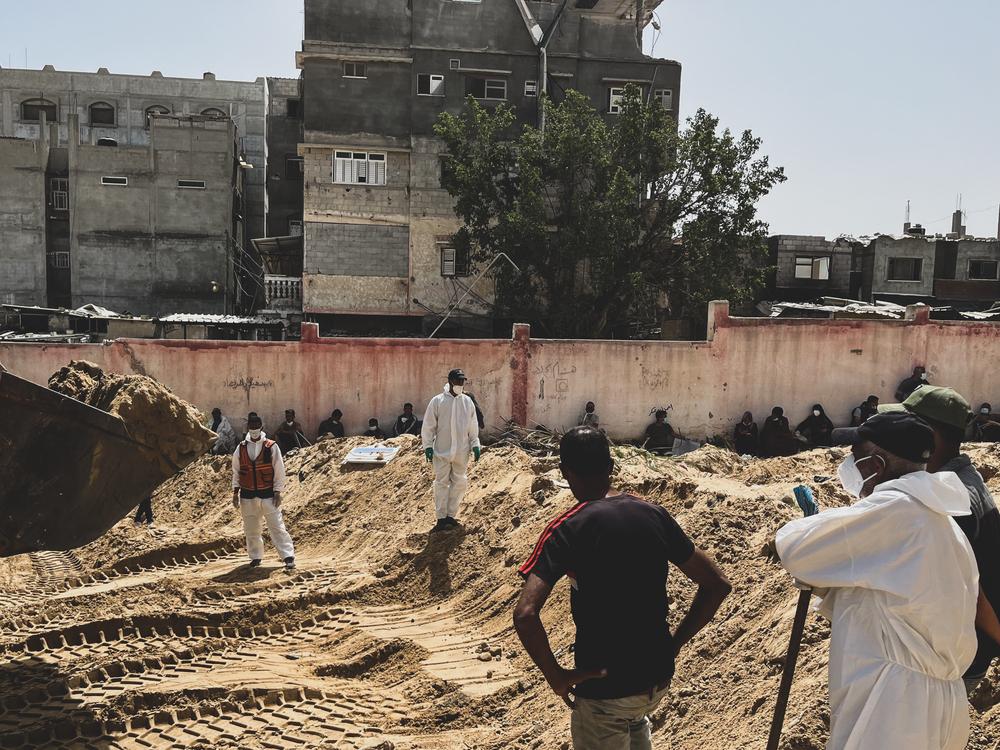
(290, 423)
(255, 434)
(815, 412)
(458, 390)
(984, 411)
(923, 376)
(850, 475)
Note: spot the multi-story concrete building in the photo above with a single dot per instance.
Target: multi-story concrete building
(119, 107)
(376, 75)
(284, 165)
(149, 229)
(806, 267)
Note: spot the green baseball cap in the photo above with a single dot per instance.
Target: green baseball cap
(938, 404)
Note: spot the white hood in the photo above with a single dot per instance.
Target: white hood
(942, 492)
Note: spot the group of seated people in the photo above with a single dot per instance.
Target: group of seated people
(659, 437)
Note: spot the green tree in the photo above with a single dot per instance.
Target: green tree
(608, 222)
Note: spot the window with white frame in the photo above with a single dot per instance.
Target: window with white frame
(115, 181)
(486, 88)
(355, 70)
(812, 268)
(454, 262)
(983, 270)
(59, 188)
(358, 168)
(531, 88)
(616, 95)
(665, 97)
(430, 84)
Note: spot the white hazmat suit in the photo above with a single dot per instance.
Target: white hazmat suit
(256, 510)
(899, 583)
(451, 429)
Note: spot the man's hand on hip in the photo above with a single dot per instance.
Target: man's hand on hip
(236, 498)
(563, 681)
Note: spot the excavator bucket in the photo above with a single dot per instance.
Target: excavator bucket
(68, 471)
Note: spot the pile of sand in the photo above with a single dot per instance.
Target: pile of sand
(154, 416)
(372, 526)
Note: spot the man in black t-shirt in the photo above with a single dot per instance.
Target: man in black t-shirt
(615, 549)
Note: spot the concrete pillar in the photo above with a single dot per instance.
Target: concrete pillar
(519, 366)
(310, 333)
(918, 313)
(718, 316)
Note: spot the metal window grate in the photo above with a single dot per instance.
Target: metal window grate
(115, 181)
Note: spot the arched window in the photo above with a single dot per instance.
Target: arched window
(32, 109)
(102, 114)
(156, 109)
(214, 112)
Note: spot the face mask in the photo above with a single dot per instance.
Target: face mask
(984, 411)
(850, 475)
(458, 389)
(815, 412)
(290, 423)
(255, 434)
(923, 376)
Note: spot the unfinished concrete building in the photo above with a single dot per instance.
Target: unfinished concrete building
(147, 229)
(378, 225)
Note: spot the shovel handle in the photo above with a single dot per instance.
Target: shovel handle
(785, 689)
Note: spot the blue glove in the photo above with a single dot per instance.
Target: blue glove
(429, 452)
(477, 452)
(804, 497)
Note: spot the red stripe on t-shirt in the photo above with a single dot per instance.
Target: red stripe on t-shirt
(549, 530)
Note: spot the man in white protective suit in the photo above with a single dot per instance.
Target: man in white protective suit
(898, 581)
(450, 433)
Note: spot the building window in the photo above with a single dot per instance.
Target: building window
(454, 63)
(59, 188)
(665, 97)
(983, 270)
(486, 88)
(156, 109)
(294, 167)
(31, 110)
(430, 85)
(59, 260)
(102, 114)
(355, 70)
(904, 269)
(295, 227)
(453, 262)
(191, 184)
(358, 168)
(115, 181)
(213, 112)
(293, 109)
(531, 88)
(615, 96)
(811, 268)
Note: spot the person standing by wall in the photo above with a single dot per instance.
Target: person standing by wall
(258, 481)
(450, 433)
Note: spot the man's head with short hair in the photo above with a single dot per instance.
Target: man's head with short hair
(872, 400)
(777, 411)
(337, 414)
(918, 371)
(373, 422)
(289, 414)
(407, 408)
(661, 414)
(590, 407)
(254, 422)
(585, 462)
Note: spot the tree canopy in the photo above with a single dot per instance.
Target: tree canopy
(611, 223)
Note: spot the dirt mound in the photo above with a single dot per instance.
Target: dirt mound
(389, 634)
(154, 416)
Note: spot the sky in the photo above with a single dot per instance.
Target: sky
(866, 103)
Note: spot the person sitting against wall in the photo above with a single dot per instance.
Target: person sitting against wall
(868, 408)
(659, 435)
(333, 426)
(776, 438)
(406, 423)
(590, 418)
(816, 429)
(746, 438)
(374, 431)
(985, 428)
(289, 434)
(910, 384)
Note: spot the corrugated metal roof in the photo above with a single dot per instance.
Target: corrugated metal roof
(208, 319)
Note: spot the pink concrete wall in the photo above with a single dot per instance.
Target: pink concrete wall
(749, 364)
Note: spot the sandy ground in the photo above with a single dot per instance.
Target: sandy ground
(387, 636)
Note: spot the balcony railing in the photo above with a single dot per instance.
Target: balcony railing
(282, 292)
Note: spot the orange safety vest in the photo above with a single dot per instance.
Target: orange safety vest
(257, 476)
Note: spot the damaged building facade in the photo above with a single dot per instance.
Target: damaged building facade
(377, 228)
(142, 193)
